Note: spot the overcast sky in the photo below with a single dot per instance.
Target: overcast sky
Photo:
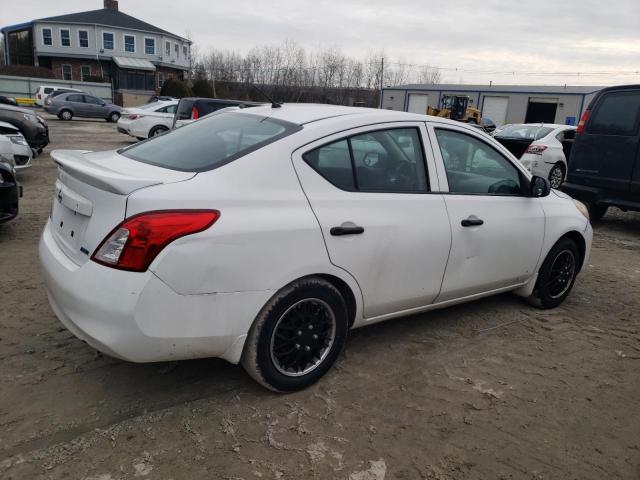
(476, 37)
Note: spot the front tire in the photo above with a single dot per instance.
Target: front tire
(556, 175)
(113, 117)
(297, 335)
(557, 275)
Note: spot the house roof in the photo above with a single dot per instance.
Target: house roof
(107, 17)
(557, 89)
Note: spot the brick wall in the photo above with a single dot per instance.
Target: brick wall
(56, 67)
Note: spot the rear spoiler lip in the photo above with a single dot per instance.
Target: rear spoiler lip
(74, 163)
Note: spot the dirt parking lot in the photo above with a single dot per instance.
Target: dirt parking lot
(490, 390)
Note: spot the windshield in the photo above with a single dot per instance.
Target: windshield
(210, 142)
(524, 132)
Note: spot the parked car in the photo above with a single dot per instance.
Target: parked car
(263, 235)
(13, 145)
(69, 105)
(45, 90)
(542, 148)
(4, 100)
(32, 126)
(604, 166)
(10, 191)
(191, 109)
(149, 120)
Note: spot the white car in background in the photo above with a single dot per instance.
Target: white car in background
(262, 235)
(148, 120)
(14, 146)
(44, 91)
(540, 148)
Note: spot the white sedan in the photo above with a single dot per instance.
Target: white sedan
(539, 147)
(149, 120)
(14, 146)
(262, 236)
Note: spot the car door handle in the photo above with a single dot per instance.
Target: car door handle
(472, 221)
(350, 230)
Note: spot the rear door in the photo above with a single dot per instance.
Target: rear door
(371, 191)
(497, 230)
(605, 154)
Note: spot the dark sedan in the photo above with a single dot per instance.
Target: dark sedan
(32, 126)
(9, 191)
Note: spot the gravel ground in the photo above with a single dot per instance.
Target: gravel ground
(489, 390)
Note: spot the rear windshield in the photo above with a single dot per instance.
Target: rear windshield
(211, 142)
(524, 132)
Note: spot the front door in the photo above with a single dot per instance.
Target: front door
(497, 230)
(370, 189)
(94, 107)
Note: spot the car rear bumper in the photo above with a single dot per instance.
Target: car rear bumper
(137, 317)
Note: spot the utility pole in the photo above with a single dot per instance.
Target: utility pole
(381, 78)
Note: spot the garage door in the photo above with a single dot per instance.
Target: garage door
(495, 108)
(418, 103)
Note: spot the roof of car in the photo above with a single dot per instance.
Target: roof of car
(304, 113)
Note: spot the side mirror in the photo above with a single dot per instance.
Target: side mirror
(540, 187)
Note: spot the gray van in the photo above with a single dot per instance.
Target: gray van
(604, 166)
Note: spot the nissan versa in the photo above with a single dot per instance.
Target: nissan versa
(263, 235)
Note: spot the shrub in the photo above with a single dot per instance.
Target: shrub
(173, 87)
(203, 88)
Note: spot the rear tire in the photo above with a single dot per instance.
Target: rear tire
(596, 212)
(556, 175)
(557, 275)
(65, 115)
(297, 336)
(157, 130)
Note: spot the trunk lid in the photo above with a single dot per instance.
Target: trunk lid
(91, 194)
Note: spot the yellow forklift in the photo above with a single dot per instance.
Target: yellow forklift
(456, 107)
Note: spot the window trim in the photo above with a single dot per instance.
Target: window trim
(82, 75)
(113, 40)
(185, 52)
(176, 50)
(415, 126)
(50, 36)
(159, 81)
(80, 41)
(167, 43)
(70, 71)
(525, 179)
(124, 42)
(145, 45)
(60, 37)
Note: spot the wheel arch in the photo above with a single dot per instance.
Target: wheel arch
(579, 240)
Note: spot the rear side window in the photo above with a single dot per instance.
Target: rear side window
(75, 98)
(380, 161)
(211, 142)
(617, 113)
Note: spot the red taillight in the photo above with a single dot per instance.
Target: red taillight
(195, 114)
(134, 243)
(39, 96)
(536, 149)
(583, 121)
(134, 116)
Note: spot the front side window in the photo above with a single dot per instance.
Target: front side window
(107, 41)
(92, 100)
(474, 167)
(379, 161)
(211, 142)
(46, 36)
(85, 72)
(618, 113)
(66, 72)
(65, 38)
(83, 38)
(129, 43)
(150, 46)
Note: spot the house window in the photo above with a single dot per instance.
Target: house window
(46, 36)
(107, 41)
(160, 79)
(150, 46)
(185, 54)
(66, 72)
(65, 38)
(129, 43)
(167, 48)
(85, 72)
(177, 50)
(83, 38)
